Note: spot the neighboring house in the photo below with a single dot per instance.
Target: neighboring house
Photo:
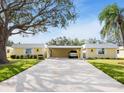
(85, 51)
(100, 50)
(28, 49)
(120, 52)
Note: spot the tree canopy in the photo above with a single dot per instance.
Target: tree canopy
(94, 41)
(32, 16)
(73, 42)
(112, 17)
(66, 41)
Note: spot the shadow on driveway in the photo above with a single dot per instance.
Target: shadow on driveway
(61, 75)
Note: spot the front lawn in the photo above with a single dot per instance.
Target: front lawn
(14, 67)
(112, 67)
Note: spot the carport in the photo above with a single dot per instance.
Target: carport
(63, 51)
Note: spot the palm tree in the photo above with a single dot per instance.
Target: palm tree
(112, 18)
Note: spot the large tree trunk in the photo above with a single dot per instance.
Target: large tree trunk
(122, 32)
(3, 40)
(3, 58)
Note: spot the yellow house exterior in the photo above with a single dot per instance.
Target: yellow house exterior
(28, 49)
(100, 51)
(85, 51)
(120, 52)
(63, 51)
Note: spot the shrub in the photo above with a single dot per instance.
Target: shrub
(90, 58)
(17, 57)
(21, 56)
(27, 56)
(31, 57)
(35, 56)
(13, 56)
(108, 58)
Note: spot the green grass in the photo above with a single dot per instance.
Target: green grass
(110, 67)
(16, 66)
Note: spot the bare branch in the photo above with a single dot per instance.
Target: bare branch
(35, 14)
(22, 31)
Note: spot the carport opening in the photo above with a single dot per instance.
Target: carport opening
(73, 54)
(64, 52)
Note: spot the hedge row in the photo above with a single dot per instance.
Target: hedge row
(27, 56)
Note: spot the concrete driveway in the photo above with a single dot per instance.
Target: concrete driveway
(62, 75)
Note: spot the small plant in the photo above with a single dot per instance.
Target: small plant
(31, 56)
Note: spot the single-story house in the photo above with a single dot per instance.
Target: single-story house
(28, 49)
(100, 51)
(85, 51)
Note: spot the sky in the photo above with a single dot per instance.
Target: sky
(86, 26)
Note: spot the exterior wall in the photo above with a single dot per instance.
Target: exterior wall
(62, 52)
(35, 52)
(109, 53)
(90, 54)
(21, 51)
(121, 53)
(9, 51)
(18, 51)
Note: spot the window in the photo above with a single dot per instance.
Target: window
(28, 51)
(101, 51)
(91, 50)
(117, 51)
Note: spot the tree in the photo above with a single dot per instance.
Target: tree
(112, 39)
(65, 41)
(94, 41)
(112, 18)
(32, 16)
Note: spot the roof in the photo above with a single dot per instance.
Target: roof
(107, 45)
(8, 47)
(28, 45)
(54, 46)
(121, 48)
